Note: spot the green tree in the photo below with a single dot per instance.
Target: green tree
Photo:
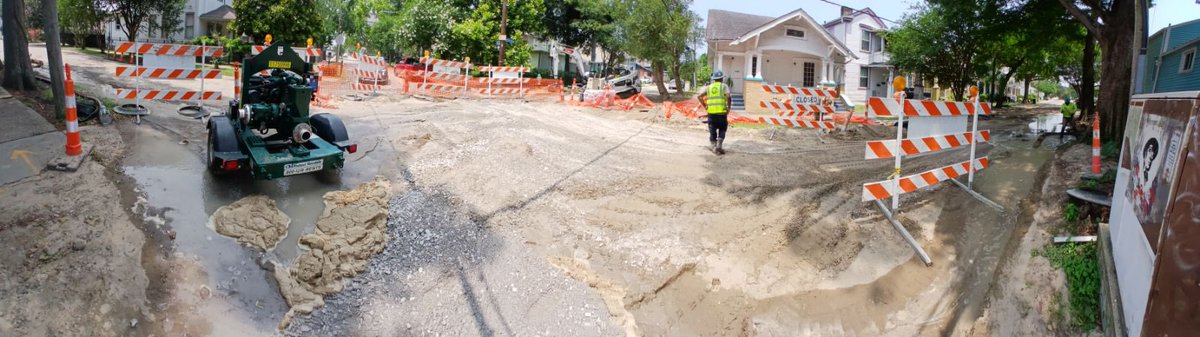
(426, 25)
(80, 17)
(1049, 88)
(1113, 23)
(476, 35)
(658, 31)
(134, 15)
(934, 42)
(585, 23)
(291, 21)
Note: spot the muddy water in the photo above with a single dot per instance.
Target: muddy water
(177, 194)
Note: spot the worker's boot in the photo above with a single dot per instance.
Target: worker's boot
(712, 146)
(719, 149)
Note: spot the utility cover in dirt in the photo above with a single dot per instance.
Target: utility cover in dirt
(352, 229)
(253, 220)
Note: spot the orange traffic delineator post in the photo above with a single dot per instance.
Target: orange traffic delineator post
(74, 145)
(237, 83)
(1096, 145)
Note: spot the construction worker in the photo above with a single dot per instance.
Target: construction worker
(1068, 110)
(716, 101)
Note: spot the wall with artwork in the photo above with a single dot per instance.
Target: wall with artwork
(1155, 223)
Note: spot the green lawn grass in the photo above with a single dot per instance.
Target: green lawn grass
(91, 51)
(225, 71)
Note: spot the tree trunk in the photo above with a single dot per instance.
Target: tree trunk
(1116, 69)
(678, 82)
(657, 68)
(1087, 86)
(18, 72)
(1025, 98)
(54, 56)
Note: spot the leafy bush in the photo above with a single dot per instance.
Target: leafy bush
(1087, 184)
(1071, 212)
(1081, 264)
(1110, 149)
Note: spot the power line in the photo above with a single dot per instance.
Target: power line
(856, 11)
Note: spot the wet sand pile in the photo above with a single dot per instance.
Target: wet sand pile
(352, 228)
(253, 220)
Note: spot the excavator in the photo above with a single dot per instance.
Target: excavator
(625, 82)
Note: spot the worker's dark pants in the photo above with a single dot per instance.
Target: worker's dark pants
(717, 124)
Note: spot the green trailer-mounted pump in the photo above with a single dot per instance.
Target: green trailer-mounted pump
(269, 132)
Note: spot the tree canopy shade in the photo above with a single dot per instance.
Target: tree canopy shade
(1113, 23)
(80, 16)
(958, 42)
(658, 31)
(291, 21)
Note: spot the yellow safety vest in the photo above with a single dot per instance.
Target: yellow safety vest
(716, 99)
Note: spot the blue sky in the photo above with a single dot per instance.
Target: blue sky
(1163, 13)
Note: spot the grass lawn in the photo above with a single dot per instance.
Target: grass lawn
(226, 70)
(91, 51)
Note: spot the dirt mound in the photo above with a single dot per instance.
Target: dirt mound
(253, 220)
(352, 228)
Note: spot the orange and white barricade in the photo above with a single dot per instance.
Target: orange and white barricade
(796, 123)
(436, 69)
(370, 73)
(925, 117)
(801, 103)
(167, 61)
(504, 76)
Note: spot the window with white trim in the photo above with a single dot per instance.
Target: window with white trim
(794, 32)
(754, 67)
(866, 39)
(810, 74)
(1187, 61)
(863, 79)
(189, 25)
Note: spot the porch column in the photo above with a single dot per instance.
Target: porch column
(758, 66)
(720, 62)
(891, 74)
(749, 64)
(825, 70)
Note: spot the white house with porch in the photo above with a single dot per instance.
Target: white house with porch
(199, 18)
(794, 49)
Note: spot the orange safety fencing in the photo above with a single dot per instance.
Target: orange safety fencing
(692, 110)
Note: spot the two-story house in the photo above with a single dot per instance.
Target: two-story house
(868, 74)
(199, 18)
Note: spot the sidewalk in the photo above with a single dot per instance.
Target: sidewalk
(27, 140)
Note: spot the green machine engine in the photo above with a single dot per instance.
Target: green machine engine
(270, 132)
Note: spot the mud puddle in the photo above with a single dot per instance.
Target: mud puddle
(177, 196)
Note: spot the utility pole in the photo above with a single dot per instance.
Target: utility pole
(503, 30)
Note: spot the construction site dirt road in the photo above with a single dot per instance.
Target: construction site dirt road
(521, 218)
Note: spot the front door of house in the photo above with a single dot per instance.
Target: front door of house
(736, 73)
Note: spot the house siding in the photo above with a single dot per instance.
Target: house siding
(1183, 33)
(1164, 53)
(852, 39)
(1170, 78)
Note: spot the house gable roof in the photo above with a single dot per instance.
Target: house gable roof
(857, 13)
(223, 13)
(798, 13)
(726, 25)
